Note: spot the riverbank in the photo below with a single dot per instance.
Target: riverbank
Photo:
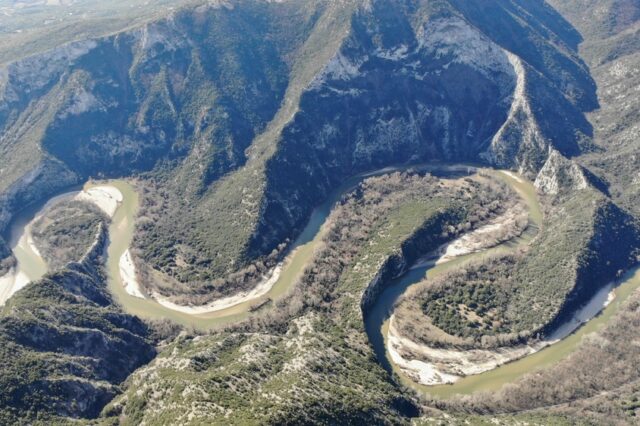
(127, 290)
(128, 276)
(107, 198)
(503, 228)
(252, 295)
(124, 286)
(435, 366)
(278, 282)
(427, 373)
(16, 279)
(464, 249)
(30, 265)
(11, 283)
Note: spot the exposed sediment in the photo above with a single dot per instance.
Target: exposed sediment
(436, 366)
(262, 288)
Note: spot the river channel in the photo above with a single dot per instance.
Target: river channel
(376, 321)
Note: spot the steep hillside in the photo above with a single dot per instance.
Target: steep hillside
(310, 361)
(249, 113)
(236, 118)
(599, 382)
(611, 29)
(345, 122)
(483, 106)
(65, 347)
(116, 105)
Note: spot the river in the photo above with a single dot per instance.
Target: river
(300, 254)
(376, 322)
(30, 266)
(377, 319)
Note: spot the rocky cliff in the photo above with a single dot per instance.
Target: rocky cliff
(238, 117)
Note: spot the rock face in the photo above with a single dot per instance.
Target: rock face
(455, 93)
(559, 173)
(242, 116)
(339, 88)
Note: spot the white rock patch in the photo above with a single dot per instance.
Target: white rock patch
(456, 39)
(481, 238)
(106, 197)
(11, 283)
(128, 275)
(548, 180)
(35, 72)
(396, 54)
(338, 68)
(81, 102)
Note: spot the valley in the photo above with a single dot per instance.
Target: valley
(121, 231)
(304, 212)
(118, 199)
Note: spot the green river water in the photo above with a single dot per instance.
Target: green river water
(377, 320)
(121, 234)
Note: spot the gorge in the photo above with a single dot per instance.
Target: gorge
(302, 212)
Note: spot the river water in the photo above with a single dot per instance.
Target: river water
(376, 322)
(30, 266)
(301, 252)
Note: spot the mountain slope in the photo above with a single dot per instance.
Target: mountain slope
(237, 118)
(184, 92)
(65, 346)
(612, 32)
(351, 117)
(117, 105)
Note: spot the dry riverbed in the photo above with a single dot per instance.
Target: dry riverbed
(261, 289)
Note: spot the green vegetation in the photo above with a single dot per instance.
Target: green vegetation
(599, 382)
(216, 218)
(238, 119)
(227, 112)
(468, 303)
(309, 359)
(66, 231)
(585, 242)
(178, 104)
(595, 384)
(612, 49)
(64, 347)
(539, 419)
